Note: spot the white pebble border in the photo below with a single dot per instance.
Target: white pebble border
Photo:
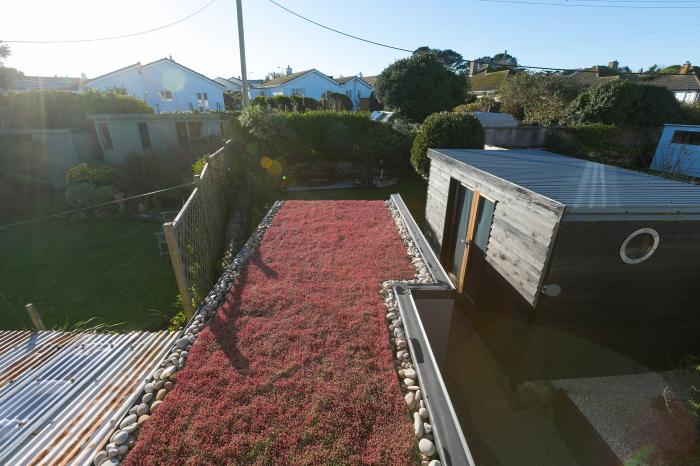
(162, 380)
(408, 377)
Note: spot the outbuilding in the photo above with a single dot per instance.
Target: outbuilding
(568, 267)
(678, 150)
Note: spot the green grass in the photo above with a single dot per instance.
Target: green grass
(411, 187)
(75, 270)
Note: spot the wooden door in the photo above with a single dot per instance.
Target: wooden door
(468, 227)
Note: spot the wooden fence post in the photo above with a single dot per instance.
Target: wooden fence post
(179, 268)
(36, 318)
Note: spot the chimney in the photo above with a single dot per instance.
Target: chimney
(613, 65)
(472, 68)
(170, 57)
(686, 68)
(288, 71)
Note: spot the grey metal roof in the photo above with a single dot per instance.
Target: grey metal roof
(62, 393)
(583, 186)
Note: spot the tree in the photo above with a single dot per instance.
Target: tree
(420, 85)
(538, 98)
(448, 57)
(497, 62)
(4, 53)
(624, 103)
(273, 75)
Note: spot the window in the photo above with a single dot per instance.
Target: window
(105, 136)
(349, 94)
(195, 130)
(181, 130)
(639, 246)
(359, 94)
(299, 92)
(686, 137)
(145, 137)
(166, 96)
(202, 101)
(484, 218)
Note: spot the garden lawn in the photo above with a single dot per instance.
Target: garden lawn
(295, 367)
(74, 270)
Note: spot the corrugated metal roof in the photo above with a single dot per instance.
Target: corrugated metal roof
(62, 393)
(583, 186)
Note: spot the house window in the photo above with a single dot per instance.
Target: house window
(181, 130)
(202, 101)
(639, 246)
(145, 137)
(195, 130)
(105, 136)
(166, 96)
(299, 92)
(349, 94)
(686, 137)
(359, 94)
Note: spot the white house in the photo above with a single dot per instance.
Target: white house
(165, 85)
(314, 84)
(120, 135)
(230, 84)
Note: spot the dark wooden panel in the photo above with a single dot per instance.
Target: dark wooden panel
(646, 314)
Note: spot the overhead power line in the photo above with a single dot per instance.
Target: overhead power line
(122, 36)
(337, 31)
(81, 209)
(481, 62)
(591, 5)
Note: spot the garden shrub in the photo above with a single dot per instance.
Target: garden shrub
(445, 130)
(94, 173)
(336, 101)
(84, 194)
(484, 104)
(292, 103)
(625, 104)
(538, 98)
(60, 109)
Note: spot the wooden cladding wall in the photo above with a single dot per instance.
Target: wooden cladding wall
(524, 223)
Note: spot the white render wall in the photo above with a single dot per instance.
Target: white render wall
(126, 140)
(146, 83)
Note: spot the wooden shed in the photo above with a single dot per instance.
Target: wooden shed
(568, 267)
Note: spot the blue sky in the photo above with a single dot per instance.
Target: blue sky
(535, 34)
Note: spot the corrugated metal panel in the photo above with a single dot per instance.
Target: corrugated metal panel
(583, 186)
(61, 393)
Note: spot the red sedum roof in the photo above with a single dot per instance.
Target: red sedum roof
(296, 368)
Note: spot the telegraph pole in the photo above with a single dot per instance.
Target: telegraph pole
(241, 45)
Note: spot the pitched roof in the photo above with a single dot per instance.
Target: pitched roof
(151, 64)
(371, 80)
(31, 83)
(286, 78)
(484, 82)
(680, 82)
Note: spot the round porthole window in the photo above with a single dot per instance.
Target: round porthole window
(639, 246)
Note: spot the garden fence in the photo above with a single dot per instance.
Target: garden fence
(196, 236)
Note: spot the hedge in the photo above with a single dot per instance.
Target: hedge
(445, 130)
(60, 109)
(322, 136)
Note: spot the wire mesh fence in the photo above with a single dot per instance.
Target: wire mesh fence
(196, 236)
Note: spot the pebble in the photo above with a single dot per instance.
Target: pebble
(427, 447)
(182, 343)
(401, 344)
(119, 437)
(100, 458)
(149, 388)
(410, 399)
(434, 463)
(419, 395)
(155, 405)
(143, 419)
(147, 398)
(123, 449)
(413, 388)
(427, 428)
(161, 394)
(158, 385)
(156, 374)
(409, 381)
(112, 462)
(402, 373)
(410, 373)
(168, 372)
(132, 410)
(418, 425)
(390, 316)
(130, 419)
(400, 354)
(130, 428)
(112, 451)
(142, 409)
(423, 413)
(168, 386)
(421, 403)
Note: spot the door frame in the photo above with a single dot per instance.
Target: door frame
(450, 232)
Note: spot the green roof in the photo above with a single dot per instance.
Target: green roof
(483, 82)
